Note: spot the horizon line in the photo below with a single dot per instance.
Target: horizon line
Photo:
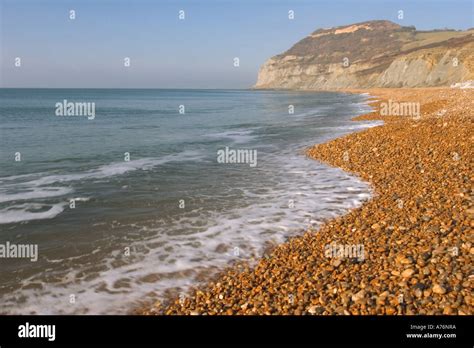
(188, 88)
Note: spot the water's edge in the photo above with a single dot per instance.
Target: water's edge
(158, 306)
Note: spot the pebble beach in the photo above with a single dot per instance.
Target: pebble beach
(408, 250)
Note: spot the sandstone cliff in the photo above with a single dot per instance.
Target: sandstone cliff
(372, 54)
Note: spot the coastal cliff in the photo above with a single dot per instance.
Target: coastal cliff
(373, 54)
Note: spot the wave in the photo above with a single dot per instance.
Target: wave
(34, 193)
(29, 211)
(112, 169)
(41, 187)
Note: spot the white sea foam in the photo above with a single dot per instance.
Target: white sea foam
(38, 188)
(112, 169)
(356, 126)
(29, 211)
(22, 176)
(35, 192)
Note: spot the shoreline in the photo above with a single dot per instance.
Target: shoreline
(414, 240)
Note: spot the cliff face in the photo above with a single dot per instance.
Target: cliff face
(372, 54)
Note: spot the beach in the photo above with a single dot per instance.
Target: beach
(408, 250)
(162, 204)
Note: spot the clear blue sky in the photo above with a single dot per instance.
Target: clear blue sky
(168, 53)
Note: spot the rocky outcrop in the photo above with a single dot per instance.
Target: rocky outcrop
(372, 54)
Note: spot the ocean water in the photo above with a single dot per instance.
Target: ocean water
(170, 216)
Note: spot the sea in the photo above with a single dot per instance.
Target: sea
(137, 195)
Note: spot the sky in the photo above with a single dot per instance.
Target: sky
(166, 52)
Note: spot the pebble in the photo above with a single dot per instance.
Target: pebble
(358, 296)
(438, 289)
(408, 273)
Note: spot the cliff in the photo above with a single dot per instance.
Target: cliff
(372, 54)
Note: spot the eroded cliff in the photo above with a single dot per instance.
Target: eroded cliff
(372, 54)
